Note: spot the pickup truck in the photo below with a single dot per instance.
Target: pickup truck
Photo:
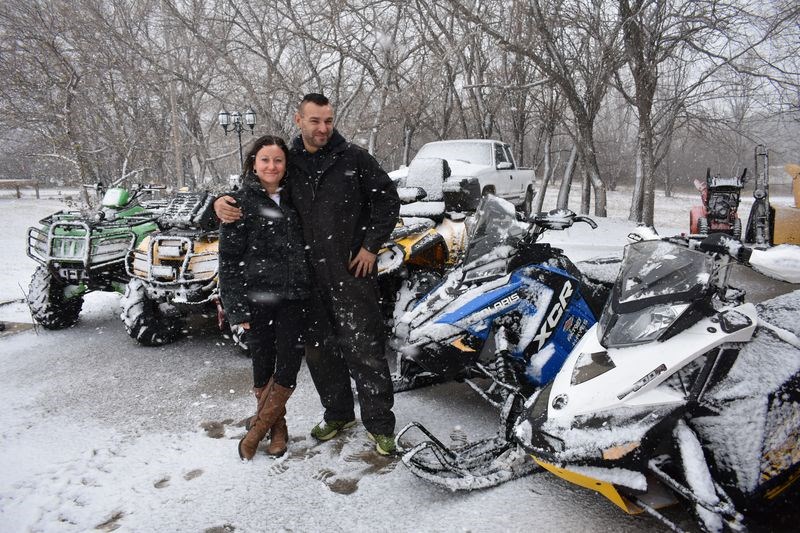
(489, 162)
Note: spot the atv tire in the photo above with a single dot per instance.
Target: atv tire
(48, 304)
(144, 320)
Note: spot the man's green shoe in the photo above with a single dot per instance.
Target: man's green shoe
(327, 429)
(384, 444)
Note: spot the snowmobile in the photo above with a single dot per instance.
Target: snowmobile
(681, 390)
(719, 212)
(510, 314)
(82, 251)
(430, 236)
(174, 272)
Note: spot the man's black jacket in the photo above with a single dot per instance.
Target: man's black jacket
(345, 200)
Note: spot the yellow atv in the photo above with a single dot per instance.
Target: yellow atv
(430, 235)
(174, 272)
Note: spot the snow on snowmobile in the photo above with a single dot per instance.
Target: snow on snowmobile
(681, 390)
(430, 236)
(83, 251)
(174, 272)
(511, 314)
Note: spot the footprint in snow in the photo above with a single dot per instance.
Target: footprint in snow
(161, 483)
(227, 528)
(112, 523)
(215, 430)
(188, 476)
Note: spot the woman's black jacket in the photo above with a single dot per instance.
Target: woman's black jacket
(262, 256)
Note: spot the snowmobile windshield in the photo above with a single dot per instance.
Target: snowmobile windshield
(658, 272)
(658, 282)
(495, 222)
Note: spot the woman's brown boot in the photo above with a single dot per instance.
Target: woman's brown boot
(279, 434)
(274, 407)
(261, 399)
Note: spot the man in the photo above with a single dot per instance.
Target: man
(348, 206)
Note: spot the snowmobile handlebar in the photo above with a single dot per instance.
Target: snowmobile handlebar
(560, 219)
(590, 221)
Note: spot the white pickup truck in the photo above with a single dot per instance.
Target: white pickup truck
(491, 163)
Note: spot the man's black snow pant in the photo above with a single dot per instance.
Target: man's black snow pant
(348, 327)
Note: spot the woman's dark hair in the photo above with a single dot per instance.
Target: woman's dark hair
(261, 142)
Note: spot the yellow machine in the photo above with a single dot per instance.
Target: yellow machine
(771, 224)
(786, 219)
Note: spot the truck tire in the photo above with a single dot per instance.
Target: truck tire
(527, 205)
(143, 319)
(47, 302)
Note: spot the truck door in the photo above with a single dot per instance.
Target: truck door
(506, 187)
(519, 183)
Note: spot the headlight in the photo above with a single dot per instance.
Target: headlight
(68, 248)
(110, 248)
(641, 326)
(487, 271)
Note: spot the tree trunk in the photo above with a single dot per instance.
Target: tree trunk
(648, 168)
(545, 175)
(635, 214)
(566, 182)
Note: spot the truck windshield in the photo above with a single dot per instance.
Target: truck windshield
(475, 153)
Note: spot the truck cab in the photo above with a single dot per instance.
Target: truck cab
(490, 162)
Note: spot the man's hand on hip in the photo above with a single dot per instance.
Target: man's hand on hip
(363, 263)
(226, 210)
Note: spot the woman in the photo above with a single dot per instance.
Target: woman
(264, 284)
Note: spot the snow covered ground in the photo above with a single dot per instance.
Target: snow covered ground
(99, 433)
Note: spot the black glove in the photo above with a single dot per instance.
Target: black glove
(720, 243)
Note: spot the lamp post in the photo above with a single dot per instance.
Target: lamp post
(234, 122)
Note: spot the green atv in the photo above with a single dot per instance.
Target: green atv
(79, 252)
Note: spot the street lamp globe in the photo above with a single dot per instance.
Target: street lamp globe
(224, 120)
(250, 118)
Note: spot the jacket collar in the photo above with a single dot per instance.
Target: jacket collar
(252, 184)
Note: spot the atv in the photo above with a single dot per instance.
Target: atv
(83, 251)
(174, 272)
(430, 236)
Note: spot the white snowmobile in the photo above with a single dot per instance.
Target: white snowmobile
(681, 390)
